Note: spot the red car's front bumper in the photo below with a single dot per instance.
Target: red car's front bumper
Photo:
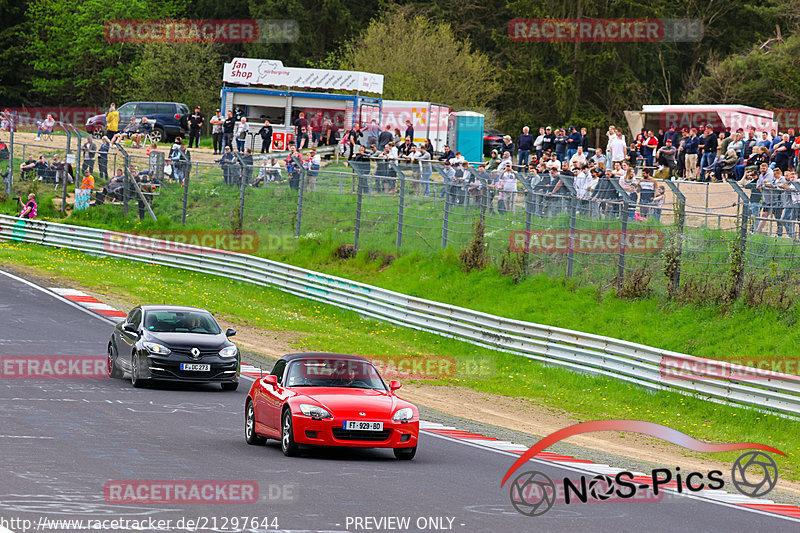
(329, 432)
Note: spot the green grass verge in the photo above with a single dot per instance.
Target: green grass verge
(327, 328)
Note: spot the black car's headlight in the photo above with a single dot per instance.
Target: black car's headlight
(155, 348)
(228, 351)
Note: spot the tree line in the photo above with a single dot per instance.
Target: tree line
(456, 52)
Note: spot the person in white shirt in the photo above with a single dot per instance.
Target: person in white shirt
(617, 149)
(312, 166)
(537, 143)
(425, 168)
(579, 159)
(458, 159)
(416, 170)
(505, 162)
(508, 195)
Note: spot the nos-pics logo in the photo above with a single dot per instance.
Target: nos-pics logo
(533, 493)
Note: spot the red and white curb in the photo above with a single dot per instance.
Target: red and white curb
(89, 302)
(721, 496)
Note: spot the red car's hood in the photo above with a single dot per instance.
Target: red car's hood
(345, 402)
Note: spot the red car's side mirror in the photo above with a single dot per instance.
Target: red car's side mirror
(394, 385)
(270, 379)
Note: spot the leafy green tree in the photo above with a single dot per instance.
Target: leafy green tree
(766, 76)
(14, 67)
(72, 62)
(422, 60)
(189, 73)
(323, 26)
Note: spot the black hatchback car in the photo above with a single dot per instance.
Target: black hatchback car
(173, 343)
(171, 119)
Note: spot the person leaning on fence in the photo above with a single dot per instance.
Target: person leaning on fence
(225, 163)
(27, 169)
(245, 170)
(647, 191)
(791, 206)
(102, 157)
(508, 191)
(474, 185)
(312, 165)
(765, 182)
(89, 149)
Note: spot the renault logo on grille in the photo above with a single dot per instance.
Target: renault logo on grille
(195, 353)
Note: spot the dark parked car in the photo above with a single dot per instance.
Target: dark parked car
(173, 343)
(171, 119)
(492, 140)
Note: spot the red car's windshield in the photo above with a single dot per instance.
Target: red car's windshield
(324, 372)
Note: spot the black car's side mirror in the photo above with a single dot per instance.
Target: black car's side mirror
(230, 332)
(130, 328)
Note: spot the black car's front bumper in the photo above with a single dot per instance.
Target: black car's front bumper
(168, 368)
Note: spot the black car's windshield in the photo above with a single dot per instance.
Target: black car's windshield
(325, 372)
(167, 321)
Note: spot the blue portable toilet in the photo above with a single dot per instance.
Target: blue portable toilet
(465, 134)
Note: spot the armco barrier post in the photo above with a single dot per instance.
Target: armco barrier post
(680, 222)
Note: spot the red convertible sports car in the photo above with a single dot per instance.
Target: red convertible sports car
(328, 399)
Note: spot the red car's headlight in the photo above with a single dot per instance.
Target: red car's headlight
(314, 411)
(406, 413)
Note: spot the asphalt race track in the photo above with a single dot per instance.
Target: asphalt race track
(61, 441)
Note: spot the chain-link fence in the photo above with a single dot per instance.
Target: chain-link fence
(706, 238)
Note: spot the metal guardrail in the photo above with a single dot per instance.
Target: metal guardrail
(583, 352)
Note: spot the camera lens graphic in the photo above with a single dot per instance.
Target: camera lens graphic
(754, 474)
(532, 493)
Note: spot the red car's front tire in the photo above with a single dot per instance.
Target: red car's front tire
(288, 445)
(405, 454)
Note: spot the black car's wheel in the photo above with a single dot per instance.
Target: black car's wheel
(98, 132)
(114, 370)
(229, 386)
(136, 381)
(288, 444)
(405, 454)
(250, 434)
(158, 135)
